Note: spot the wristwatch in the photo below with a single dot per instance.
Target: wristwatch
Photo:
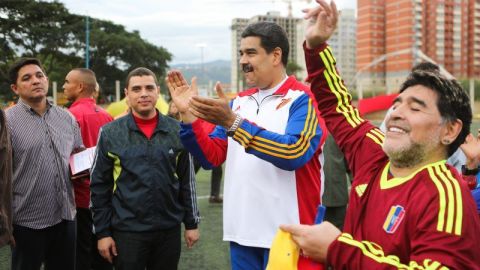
(467, 171)
(235, 125)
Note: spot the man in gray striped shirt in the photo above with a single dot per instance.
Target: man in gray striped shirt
(43, 138)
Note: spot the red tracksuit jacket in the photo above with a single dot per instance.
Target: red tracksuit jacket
(427, 220)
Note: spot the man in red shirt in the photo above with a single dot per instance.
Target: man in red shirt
(79, 88)
(408, 209)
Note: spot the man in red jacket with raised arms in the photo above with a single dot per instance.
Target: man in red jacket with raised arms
(408, 209)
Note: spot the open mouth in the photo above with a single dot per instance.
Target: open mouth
(247, 68)
(397, 130)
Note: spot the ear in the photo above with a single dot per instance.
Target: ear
(158, 89)
(277, 56)
(81, 86)
(451, 132)
(125, 91)
(14, 88)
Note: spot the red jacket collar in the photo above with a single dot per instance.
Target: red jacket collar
(83, 101)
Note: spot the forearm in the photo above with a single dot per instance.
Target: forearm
(349, 253)
(209, 151)
(188, 193)
(286, 151)
(102, 189)
(101, 199)
(187, 117)
(353, 135)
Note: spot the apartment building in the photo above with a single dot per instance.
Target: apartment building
(394, 35)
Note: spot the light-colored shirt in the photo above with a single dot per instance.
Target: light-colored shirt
(42, 144)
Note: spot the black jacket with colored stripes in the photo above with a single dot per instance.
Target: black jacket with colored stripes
(140, 184)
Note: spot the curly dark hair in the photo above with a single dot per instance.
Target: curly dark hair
(453, 102)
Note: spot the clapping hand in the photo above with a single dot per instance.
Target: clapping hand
(181, 93)
(216, 111)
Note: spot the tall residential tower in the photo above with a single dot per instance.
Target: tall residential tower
(394, 35)
(343, 43)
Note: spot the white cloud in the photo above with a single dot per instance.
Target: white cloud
(179, 25)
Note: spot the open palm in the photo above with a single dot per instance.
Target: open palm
(179, 89)
(322, 23)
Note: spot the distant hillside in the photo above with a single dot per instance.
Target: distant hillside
(213, 71)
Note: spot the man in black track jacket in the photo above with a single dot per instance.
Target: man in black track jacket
(143, 184)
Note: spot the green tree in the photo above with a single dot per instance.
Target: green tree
(48, 31)
(466, 85)
(31, 29)
(115, 52)
(293, 69)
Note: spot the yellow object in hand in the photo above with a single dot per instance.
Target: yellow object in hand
(284, 252)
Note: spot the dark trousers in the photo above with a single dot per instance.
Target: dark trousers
(159, 250)
(87, 256)
(54, 246)
(216, 178)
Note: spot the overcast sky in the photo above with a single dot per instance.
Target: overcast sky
(181, 25)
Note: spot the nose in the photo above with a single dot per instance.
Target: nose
(243, 59)
(35, 80)
(397, 112)
(144, 92)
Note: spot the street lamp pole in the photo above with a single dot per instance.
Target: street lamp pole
(202, 47)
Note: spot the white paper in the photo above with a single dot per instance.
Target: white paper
(82, 161)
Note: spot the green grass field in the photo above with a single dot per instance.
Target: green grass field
(210, 253)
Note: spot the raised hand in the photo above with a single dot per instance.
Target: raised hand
(216, 111)
(322, 21)
(179, 89)
(181, 93)
(471, 149)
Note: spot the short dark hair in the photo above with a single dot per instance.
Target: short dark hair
(88, 78)
(13, 71)
(141, 71)
(453, 102)
(271, 36)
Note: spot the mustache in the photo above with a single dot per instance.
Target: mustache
(247, 68)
